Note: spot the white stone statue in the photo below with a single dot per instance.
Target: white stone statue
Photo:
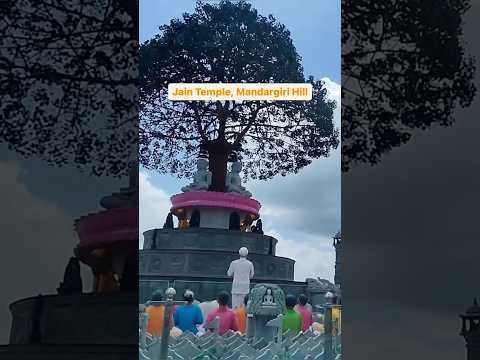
(268, 298)
(242, 271)
(202, 178)
(234, 181)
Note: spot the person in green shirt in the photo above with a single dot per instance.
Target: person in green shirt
(291, 319)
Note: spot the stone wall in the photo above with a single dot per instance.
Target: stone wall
(209, 239)
(76, 319)
(206, 290)
(210, 264)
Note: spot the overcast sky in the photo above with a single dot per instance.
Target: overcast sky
(39, 206)
(301, 210)
(412, 240)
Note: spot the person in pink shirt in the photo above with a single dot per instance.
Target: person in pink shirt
(227, 318)
(304, 310)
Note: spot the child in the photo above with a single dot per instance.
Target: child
(156, 315)
(305, 312)
(291, 319)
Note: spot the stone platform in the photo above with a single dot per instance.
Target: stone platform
(198, 259)
(83, 319)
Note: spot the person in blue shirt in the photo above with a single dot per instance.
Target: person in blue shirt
(188, 316)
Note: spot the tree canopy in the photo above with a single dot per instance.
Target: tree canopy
(404, 67)
(229, 43)
(68, 82)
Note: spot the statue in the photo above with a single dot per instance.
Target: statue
(202, 178)
(234, 181)
(266, 302)
(72, 281)
(259, 226)
(168, 221)
(242, 271)
(195, 219)
(234, 223)
(268, 297)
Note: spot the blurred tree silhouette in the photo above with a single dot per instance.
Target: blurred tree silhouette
(404, 67)
(68, 82)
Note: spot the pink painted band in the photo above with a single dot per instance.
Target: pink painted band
(108, 227)
(215, 199)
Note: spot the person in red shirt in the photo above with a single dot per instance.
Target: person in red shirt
(226, 315)
(304, 310)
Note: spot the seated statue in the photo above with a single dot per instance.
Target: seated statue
(259, 226)
(168, 221)
(234, 181)
(268, 298)
(202, 178)
(72, 281)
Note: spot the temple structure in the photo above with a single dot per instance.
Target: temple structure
(102, 321)
(212, 226)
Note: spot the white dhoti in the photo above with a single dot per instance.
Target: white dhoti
(242, 272)
(237, 299)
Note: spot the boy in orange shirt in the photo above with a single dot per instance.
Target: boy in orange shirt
(156, 315)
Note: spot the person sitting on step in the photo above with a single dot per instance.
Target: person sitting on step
(227, 319)
(187, 317)
(291, 319)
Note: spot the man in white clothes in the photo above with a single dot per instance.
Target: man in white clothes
(242, 271)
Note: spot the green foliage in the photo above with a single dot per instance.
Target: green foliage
(68, 82)
(229, 43)
(404, 67)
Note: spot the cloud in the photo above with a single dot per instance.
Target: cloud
(311, 260)
(304, 209)
(334, 90)
(154, 205)
(38, 239)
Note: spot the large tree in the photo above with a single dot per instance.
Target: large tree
(229, 43)
(68, 82)
(404, 67)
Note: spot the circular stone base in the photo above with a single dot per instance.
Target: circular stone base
(76, 319)
(211, 264)
(209, 239)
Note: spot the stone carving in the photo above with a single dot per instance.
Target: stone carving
(72, 281)
(266, 302)
(266, 299)
(168, 221)
(234, 181)
(202, 178)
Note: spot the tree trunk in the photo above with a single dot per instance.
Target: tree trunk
(218, 152)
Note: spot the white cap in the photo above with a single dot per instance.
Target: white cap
(188, 293)
(243, 251)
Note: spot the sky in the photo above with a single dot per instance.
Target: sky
(301, 210)
(411, 240)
